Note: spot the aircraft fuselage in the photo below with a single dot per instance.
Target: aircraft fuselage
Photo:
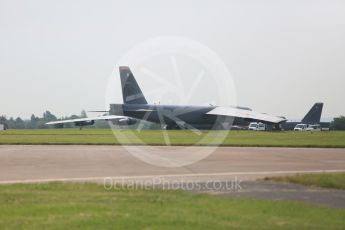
(172, 115)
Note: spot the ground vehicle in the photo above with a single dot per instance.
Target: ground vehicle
(305, 127)
(300, 127)
(257, 126)
(314, 128)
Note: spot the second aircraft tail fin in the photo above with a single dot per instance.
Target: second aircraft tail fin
(314, 114)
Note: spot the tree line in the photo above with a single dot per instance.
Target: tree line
(338, 123)
(36, 122)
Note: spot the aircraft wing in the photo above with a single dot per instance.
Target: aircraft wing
(87, 119)
(246, 114)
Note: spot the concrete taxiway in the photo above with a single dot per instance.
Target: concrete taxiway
(34, 163)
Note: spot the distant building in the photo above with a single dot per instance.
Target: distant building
(2, 127)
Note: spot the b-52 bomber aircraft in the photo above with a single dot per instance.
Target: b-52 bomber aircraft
(311, 118)
(136, 108)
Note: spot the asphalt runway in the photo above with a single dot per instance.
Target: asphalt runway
(35, 163)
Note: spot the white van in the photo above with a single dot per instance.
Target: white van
(300, 127)
(313, 128)
(257, 126)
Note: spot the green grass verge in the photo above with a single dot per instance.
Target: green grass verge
(324, 180)
(177, 137)
(90, 206)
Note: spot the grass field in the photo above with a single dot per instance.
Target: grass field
(90, 206)
(325, 180)
(176, 137)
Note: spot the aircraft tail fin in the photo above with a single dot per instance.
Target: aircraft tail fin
(131, 91)
(314, 114)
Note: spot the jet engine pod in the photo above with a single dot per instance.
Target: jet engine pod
(126, 121)
(84, 123)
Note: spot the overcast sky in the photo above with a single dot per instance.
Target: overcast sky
(283, 55)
